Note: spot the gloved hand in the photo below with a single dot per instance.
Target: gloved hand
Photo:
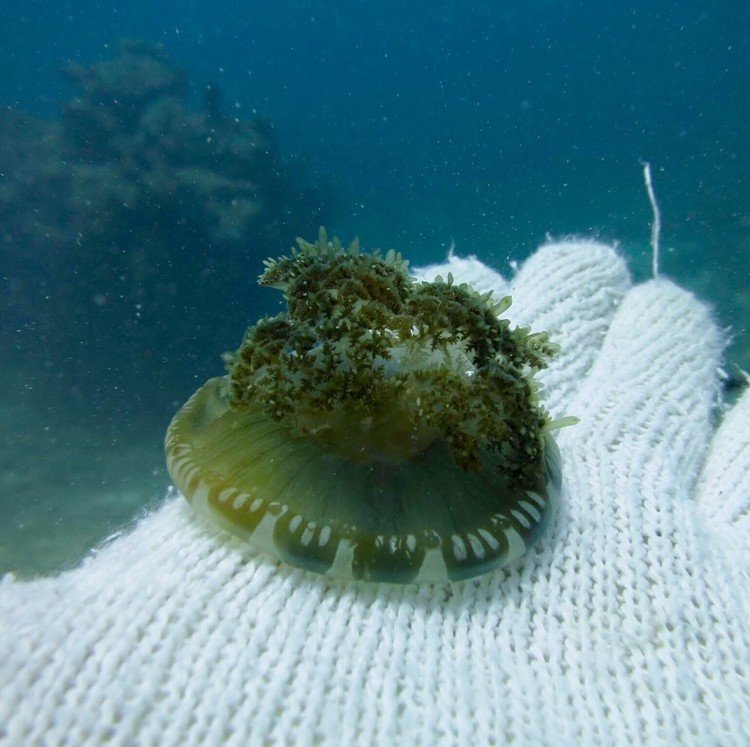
(628, 623)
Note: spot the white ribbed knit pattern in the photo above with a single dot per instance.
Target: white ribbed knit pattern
(627, 624)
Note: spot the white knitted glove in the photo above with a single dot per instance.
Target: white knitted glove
(626, 624)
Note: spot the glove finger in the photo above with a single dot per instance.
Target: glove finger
(724, 488)
(646, 405)
(570, 289)
(466, 270)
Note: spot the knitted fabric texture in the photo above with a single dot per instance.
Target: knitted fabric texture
(628, 623)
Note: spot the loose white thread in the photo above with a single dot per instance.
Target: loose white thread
(656, 225)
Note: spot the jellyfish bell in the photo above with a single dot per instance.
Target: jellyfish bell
(379, 430)
(345, 511)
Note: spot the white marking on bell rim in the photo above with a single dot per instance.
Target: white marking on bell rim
(295, 522)
(535, 498)
(199, 499)
(343, 560)
(256, 504)
(522, 519)
(516, 545)
(433, 567)
(459, 547)
(411, 542)
(531, 510)
(307, 535)
(190, 472)
(324, 536)
(393, 544)
(492, 543)
(262, 535)
(224, 495)
(476, 546)
(240, 500)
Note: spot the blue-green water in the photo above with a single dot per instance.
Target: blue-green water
(410, 124)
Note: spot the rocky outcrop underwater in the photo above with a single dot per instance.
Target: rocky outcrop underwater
(128, 223)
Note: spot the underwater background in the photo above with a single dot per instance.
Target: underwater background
(152, 155)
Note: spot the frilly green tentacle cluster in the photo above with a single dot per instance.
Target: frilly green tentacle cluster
(379, 366)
